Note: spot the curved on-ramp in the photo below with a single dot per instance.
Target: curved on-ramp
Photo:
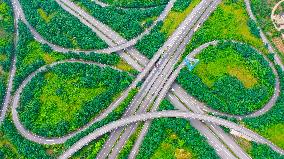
(42, 140)
(143, 117)
(59, 140)
(117, 47)
(165, 114)
(267, 106)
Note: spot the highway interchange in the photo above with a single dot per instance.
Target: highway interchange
(158, 75)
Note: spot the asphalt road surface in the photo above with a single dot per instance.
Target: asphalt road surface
(154, 82)
(162, 114)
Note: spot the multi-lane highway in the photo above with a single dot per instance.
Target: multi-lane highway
(211, 134)
(180, 99)
(162, 114)
(159, 75)
(199, 107)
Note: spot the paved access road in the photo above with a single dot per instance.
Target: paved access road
(162, 114)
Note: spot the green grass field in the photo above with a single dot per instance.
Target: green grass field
(7, 149)
(217, 63)
(275, 133)
(174, 18)
(231, 78)
(36, 53)
(228, 22)
(60, 98)
(172, 147)
(68, 96)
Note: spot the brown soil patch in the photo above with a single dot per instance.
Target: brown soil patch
(182, 154)
(49, 151)
(243, 75)
(1, 71)
(245, 144)
(279, 44)
(3, 34)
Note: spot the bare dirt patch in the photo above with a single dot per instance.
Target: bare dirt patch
(182, 154)
(279, 44)
(1, 71)
(3, 33)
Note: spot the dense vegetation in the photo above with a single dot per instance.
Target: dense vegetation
(271, 124)
(92, 149)
(228, 22)
(31, 55)
(19, 147)
(151, 43)
(256, 150)
(98, 143)
(171, 138)
(231, 78)
(179, 12)
(129, 23)
(125, 151)
(259, 151)
(68, 96)
(181, 5)
(6, 44)
(253, 28)
(135, 3)
(58, 26)
(262, 10)
(23, 148)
